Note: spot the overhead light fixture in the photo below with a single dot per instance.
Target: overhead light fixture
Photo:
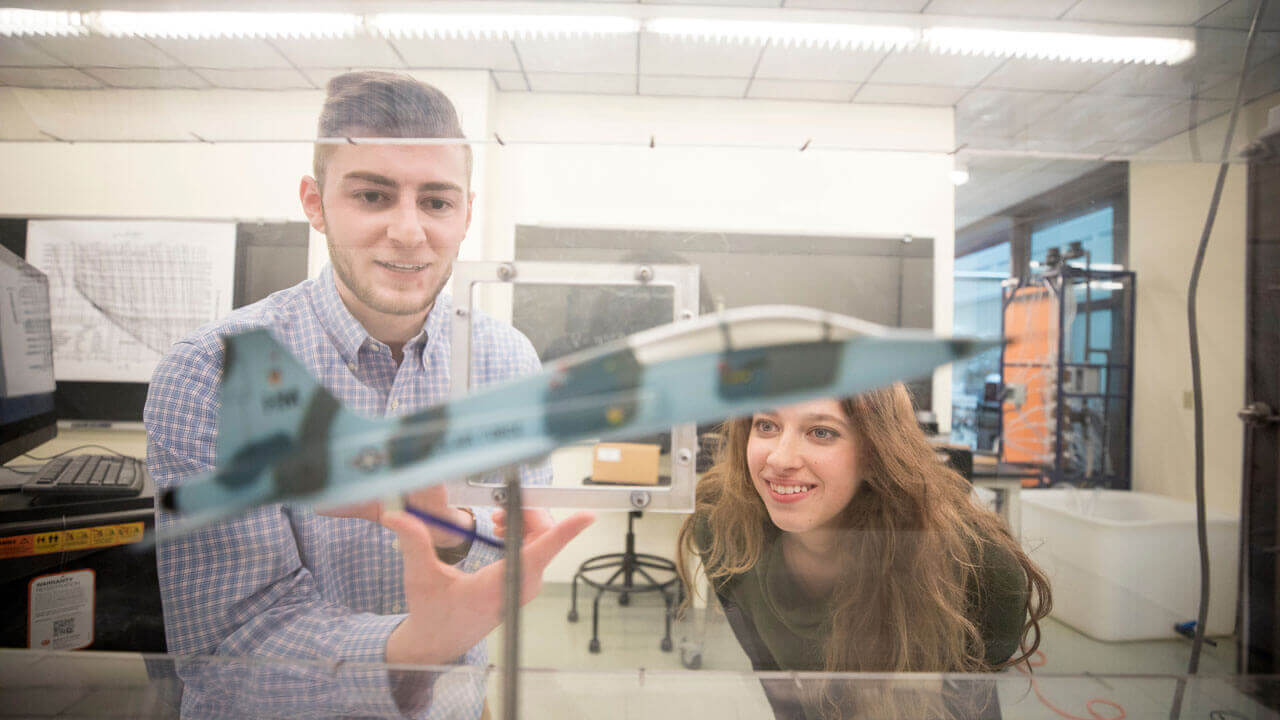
(498, 27)
(19, 22)
(832, 30)
(960, 174)
(200, 25)
(787, 34)
(1070, 46)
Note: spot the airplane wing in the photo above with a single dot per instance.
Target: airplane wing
(282, 437)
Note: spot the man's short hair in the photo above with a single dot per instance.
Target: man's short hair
(373, 103)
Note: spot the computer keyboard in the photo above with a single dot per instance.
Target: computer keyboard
(88, 475)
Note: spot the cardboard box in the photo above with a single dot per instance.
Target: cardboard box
(625, 463)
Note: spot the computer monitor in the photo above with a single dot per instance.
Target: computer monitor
(27, 416)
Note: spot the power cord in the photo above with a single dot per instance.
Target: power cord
(74, 449)
(1093, 714)
(1196, 389)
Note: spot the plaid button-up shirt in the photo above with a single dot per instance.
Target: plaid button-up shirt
(280, 582)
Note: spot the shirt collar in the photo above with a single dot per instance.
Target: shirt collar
(348, 334)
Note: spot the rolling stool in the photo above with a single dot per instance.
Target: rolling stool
(628, 564)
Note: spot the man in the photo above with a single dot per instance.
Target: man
(286, 583)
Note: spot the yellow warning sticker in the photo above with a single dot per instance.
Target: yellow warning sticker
(68, 540)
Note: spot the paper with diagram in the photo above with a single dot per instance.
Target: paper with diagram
(123, 291)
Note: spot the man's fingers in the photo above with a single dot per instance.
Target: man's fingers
(539, 551)
(370, 510)
(415, 542)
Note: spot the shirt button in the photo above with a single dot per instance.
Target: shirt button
(351, 366)
(395, 404)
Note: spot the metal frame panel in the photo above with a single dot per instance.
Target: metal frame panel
(682, 279)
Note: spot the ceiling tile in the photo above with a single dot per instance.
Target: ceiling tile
(46, 78)
(1174, 119)
(1048, 75)
(908, 95)
(339, 53)
(606, 55)
(660, 55)
(735, 3)
(1150, 12)
(223, 53)
(1263, 78)
(166, 78)
(1002, 113)
(1239, 13)
(255, 79)
(1222, 51)
(906, 6)
(922, 68)
(105, 52)
(17, 51)
(1176, 81)
(592, 83)
(510, 81)
(455, 53)
(1000, 8)
(802, 90)
(693, 86)
(814, 64)
(1087, 119)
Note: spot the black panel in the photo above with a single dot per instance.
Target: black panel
(104, 401)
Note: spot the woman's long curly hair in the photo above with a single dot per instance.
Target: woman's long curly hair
(911, 558)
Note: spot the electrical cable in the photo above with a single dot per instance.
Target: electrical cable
(1093, 714)
(1196, 388)
(78, 447)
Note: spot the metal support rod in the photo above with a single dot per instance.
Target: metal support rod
(511, 608)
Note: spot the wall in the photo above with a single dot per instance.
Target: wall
(1168, 203)
(720, 165)
(717, 165)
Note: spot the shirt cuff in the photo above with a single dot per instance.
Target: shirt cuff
(481, 554)
(367, 686)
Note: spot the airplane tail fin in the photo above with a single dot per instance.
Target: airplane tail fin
(270, 406)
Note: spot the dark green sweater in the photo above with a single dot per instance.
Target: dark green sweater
(782, 627)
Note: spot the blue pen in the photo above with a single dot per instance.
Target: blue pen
(430, 519)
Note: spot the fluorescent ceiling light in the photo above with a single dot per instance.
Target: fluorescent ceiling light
(1074, 46)
(499, 27)
(959, 176)
(191, 25)
(17, 22)
(787, 34)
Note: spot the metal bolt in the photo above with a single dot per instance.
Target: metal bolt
(644, 273)
(500, 495)
(640, 499)
(684, 456)
(506, 271)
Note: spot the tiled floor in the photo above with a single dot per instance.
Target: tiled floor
(610, 684)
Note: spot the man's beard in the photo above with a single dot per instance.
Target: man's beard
(367, 293)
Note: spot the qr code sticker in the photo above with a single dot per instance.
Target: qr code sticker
(64, 627)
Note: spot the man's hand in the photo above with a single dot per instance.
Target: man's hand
(449, 610)
(433, 500)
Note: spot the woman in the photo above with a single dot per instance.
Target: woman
(837, 541)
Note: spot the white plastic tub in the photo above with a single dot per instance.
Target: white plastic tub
(1125, 565)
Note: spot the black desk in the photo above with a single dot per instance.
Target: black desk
(44, 540)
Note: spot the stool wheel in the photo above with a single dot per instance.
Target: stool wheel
(692, 661)
(624, 599)
(594, 645)
(666, 645)
(573, 616)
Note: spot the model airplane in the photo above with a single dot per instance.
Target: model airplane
(283, 438)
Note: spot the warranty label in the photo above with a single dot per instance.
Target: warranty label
(69, 540)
